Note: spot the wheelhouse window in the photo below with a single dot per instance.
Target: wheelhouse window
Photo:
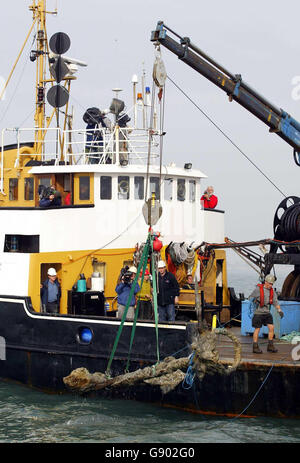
(139, 188)
(84, 188)
(154, 187)
(105, 187)
(67, 182)
(123, 187)
(28, 189)
(64, 183)
(168, 189)
(13, 189)
(192, 191)
(181, 189)
(44, 183)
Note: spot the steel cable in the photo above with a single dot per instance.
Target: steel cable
(227, 137)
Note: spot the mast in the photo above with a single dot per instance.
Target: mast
(39, 11)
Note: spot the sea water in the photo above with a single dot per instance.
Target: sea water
(30, 416)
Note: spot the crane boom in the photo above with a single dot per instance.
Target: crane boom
(278, 120)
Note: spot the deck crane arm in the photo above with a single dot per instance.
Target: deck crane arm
(278, 120)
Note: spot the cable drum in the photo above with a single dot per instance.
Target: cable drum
(290, 223)
(286, 224)
(291, 286)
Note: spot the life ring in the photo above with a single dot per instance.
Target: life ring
(123, 187)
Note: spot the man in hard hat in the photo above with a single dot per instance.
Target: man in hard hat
(123, 290)
(51, 292)
(168, 292)
(264, 296)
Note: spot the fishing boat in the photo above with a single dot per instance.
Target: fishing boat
(85, 205)
(102, 177)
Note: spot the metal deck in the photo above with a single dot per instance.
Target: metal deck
(281, 358)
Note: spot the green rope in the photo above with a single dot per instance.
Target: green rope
(154, 304)
(155, 301)
(144, 264)
(132, 336)
(145, 253)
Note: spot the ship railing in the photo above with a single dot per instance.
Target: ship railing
(81, 146)
(46, 142)
(103, 146)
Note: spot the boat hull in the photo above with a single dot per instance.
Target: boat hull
(39, 350)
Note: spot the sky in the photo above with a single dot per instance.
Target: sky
(257, 39)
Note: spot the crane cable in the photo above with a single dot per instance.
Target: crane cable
(226, 136)
(162, 96)
(150, 130)
(160, 83)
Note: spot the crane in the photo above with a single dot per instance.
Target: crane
(278, 120)
(287, 217)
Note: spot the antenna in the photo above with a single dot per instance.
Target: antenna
(134, 81)
(143, 94)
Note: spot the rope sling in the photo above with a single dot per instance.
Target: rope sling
(142, 265)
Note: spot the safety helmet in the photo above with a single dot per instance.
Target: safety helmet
(52, 272)
(161, 264)
(270, 279)
(132, 269)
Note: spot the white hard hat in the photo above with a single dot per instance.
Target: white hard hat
(161, 264)
(132, 269)
(270, 279)
(51, 272)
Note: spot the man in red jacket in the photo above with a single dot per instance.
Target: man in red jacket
(209, 199)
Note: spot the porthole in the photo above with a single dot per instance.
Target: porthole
(84, 335)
